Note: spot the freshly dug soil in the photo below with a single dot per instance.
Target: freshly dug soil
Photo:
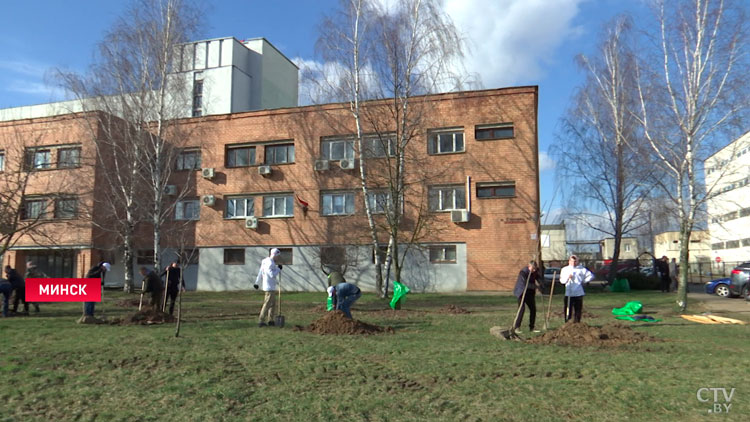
(146, 317)
(336, 322)
(453, 309)
(582, 334)
(127, 303)
(584, 314)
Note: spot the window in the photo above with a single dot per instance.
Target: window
(240, 156)
(2, 160)
(197, 97)
(447, 198)
(443, 254)
(35, 209)
(733, 244)
(716, 246)
(69, 157)
(337, 149)
(39, 159)
(66, 208)
(144, 257)
(496, 190)
(189, 159)
(279, 154)
(189, 209)
(488, 132)
(746, 241)
(743, 212)
(234, 256)
(627, 248)
(446, 142)
(240, 207)
(286, 257)
(376, 146)
(278, 206)
(379, 201)
(333, 257)
(339, 203)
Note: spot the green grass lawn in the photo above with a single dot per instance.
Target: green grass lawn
(436, 366)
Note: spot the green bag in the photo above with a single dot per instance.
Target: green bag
(329, 303)
(399, 293)
(620, 285)
(630, 308)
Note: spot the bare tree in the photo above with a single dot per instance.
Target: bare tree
(600, 150)
(693, 100)
(394, 56)
(136, 86)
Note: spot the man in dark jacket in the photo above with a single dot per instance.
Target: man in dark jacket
(525, 291)
(33, 272)
(174, 283)
(662, 266)
(19, 287)
(152, 284)
(5, 289)
(97, 271)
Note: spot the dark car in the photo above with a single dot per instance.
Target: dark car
(740, 277)
(720, 287)
(629, 266)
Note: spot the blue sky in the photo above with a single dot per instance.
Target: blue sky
(513, 42)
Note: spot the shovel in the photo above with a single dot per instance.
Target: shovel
(279, 320)
(143, 287)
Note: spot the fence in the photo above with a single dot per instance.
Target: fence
(701, 272)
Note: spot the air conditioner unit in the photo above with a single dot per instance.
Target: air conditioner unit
(264, 170)
(347, 164)
(208, 200)
(208, 172)
(321, 165)
(251, 222)
(460, 216)
(170, 190)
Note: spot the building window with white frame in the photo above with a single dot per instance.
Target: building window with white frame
(240, 207)
(379, 201)
(278, 205)
(34, 209)
(376, 146)
(443, 254)
(337, 149)
(337, 203)
(279, 154)
(188, 209)
(188, 159)
(39, 159)
(2, 160)
(66, 208)
(446, 141)
(447, 198)
(240, 156)
(69, 157)
(197, 97)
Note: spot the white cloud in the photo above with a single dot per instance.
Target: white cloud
(545, 161)
(512, 40)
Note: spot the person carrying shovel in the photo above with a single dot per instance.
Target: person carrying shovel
(530, 275)
(573, 277)
(267, 276)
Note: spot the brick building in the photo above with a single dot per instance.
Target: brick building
(289, 178)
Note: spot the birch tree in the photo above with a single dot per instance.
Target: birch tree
(693, 98)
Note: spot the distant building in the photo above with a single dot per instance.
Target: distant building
(628, 248)
(728, 174)
(668, 244)
(554, 248)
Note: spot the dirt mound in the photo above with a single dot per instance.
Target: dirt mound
(453, 309)
(584, 314)
(127, 303)
(582, 334)
(145, 317)
(337, 323)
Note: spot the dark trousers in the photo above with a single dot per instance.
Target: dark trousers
(573, 308)
(171, 298)
(20, 295)
(665, 282)
(6, 289)
(528, 300)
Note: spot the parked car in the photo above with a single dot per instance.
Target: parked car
(719, 287)
(740, 277)
(629, 266)
(549, 272)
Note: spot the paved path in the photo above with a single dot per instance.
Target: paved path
(733, 307)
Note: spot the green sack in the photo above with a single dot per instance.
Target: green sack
(399, 293)
(329, 303)
(641, 318)
(620, 285)
(630, 308)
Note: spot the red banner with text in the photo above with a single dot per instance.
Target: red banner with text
(63, 290)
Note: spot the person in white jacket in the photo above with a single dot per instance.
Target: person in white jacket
(573, 277)
(267, 278)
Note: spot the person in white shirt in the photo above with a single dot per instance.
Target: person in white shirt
(573, 277)
(267, 274)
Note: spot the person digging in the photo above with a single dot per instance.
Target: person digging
(152, 284)
(526, 285)
(344, 295)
